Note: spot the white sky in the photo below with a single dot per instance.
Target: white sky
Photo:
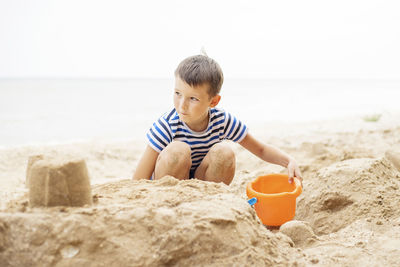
(250, 39)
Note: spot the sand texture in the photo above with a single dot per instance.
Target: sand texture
(347, 215)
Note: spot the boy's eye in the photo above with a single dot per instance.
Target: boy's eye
(177, 93)
(194, 99)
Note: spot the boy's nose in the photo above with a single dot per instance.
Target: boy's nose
(183, 105)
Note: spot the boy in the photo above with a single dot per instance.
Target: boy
(186, 141)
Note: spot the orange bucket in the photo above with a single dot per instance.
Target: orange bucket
(276, 198)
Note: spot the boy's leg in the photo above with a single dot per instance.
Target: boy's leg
(218, 165)
(174, 160)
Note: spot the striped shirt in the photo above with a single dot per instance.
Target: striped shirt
(221, 126)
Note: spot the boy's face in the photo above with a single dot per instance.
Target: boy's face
(192, 103)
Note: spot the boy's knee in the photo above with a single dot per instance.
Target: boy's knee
(176, 154)
(220, 164)
(179, 148)
(222, 151)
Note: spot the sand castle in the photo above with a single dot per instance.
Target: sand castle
(58, 182)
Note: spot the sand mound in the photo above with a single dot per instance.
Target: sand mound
(143, 223)
(349, 190)
(394, 157)
(58, 182)
(300, 232)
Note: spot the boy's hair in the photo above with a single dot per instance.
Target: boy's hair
(199, 70)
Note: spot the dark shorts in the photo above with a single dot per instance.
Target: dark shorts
(191, 173)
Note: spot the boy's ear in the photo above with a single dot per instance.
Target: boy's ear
(215, 100)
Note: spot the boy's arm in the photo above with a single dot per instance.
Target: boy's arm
(146, 165)
(271, 154)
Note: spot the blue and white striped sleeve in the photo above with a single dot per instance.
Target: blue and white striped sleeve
(159, 135)
(234, 130)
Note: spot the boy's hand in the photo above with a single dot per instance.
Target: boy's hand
(294, 171)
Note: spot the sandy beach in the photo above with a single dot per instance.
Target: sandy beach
(83, 82)
(350, 201)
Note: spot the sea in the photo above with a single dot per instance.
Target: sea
(52, 111)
